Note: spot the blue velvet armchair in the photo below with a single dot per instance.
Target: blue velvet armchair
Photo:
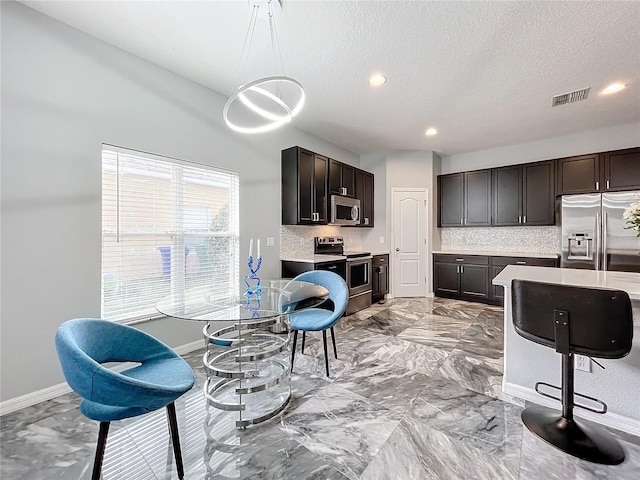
(160, 378)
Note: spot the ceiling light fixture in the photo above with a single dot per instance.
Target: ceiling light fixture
(273, 100)
(613, 88)
(377, 79)
(431, 132)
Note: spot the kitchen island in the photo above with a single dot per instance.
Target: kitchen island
(526, 362)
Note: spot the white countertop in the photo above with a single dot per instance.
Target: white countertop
(496, 254)
(315, 259)
(625, 281)
(379, 252)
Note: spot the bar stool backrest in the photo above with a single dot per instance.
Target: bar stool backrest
(580, 320)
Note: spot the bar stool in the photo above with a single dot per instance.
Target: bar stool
(574, 321)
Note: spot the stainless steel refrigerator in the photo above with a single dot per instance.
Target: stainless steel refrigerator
(593, 233)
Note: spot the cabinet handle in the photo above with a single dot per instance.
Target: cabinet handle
(597, 185)
(459, 259)
(519, 218)
(366, 221)
(461, 268)
(343, 190)
(333, 267)
(607, 184)
(521, 263)
(524, 219)
(457, 268)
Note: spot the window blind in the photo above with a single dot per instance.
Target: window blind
(167, 226)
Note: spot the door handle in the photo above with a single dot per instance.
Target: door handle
(397, 249)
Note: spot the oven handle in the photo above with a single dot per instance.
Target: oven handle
(357, 259)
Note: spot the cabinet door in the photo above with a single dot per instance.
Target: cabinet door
(450, 199)
(349, 180)
(507, 196)
(579, 174)
(375, 282)
(474, 280)
(622, 170)
(335, 177)
(384, 279)
(477, 194)
(538, 195)
(497, 291)
(319, 189)
(367, 201)
(446, 279)
(306, 186)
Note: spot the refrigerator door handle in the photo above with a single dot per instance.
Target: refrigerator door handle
(598, 240)
(604, 242)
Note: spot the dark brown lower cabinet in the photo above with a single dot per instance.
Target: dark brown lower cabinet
(461, 276)
(379, 277)
(469, 277)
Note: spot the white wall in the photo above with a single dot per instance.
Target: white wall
(613, 138)
(64, 93)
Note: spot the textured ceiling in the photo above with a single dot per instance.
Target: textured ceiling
(483, 73)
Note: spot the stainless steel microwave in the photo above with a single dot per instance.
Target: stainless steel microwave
(344, 210)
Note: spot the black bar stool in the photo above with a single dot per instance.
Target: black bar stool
(575, 321)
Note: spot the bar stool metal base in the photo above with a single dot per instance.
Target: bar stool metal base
(594, 445)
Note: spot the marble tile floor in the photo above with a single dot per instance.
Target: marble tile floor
(414, 394)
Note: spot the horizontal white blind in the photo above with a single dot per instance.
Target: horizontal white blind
(167, 226)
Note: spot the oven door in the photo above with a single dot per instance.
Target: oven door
(358, 275)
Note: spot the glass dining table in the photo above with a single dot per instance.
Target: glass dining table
(246, 364)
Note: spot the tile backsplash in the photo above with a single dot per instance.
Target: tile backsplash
(507, 239)
(297, 241)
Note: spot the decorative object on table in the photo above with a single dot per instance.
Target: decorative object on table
(573, 321)
(160, 377)
(252, 281)
(632, 216)
(320, 319)
(272, 100)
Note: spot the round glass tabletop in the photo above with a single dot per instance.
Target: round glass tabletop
(281, 297)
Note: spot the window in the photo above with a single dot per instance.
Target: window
(167, 226)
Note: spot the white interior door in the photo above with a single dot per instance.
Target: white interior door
(409, 234)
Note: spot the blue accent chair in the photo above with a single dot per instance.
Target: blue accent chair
(320, 319)
(160, 378)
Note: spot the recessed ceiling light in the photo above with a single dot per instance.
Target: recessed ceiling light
(613, 88)
(431, 132)
(377, 79)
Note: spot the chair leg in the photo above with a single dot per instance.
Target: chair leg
(173, 427)
(304, 336)
(100, 447)
(326, 357)
(293, 349)
(333, 339)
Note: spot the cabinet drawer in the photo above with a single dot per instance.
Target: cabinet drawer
(462, 259)
(529, 261)
(380, 260)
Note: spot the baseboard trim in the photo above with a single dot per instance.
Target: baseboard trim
(613, 420)
(33, 398)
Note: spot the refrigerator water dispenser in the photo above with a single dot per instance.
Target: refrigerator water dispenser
(580, 247)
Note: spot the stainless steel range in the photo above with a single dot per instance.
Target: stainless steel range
(358, 271)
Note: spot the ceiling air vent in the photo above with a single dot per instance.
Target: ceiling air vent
(570, 97)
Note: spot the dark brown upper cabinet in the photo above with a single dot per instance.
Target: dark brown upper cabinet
(600, 172)
(304, 187)
(524, 194)
(465, 199)
(579, 174)
(364, 193)
(342, 179)
(622, 170)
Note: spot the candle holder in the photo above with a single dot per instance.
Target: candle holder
(252, 281)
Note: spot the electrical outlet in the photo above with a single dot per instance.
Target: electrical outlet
(271, 241)
(583, 363)
(381, 239)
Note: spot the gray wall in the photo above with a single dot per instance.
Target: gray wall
(612, 138)
(64, 93)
